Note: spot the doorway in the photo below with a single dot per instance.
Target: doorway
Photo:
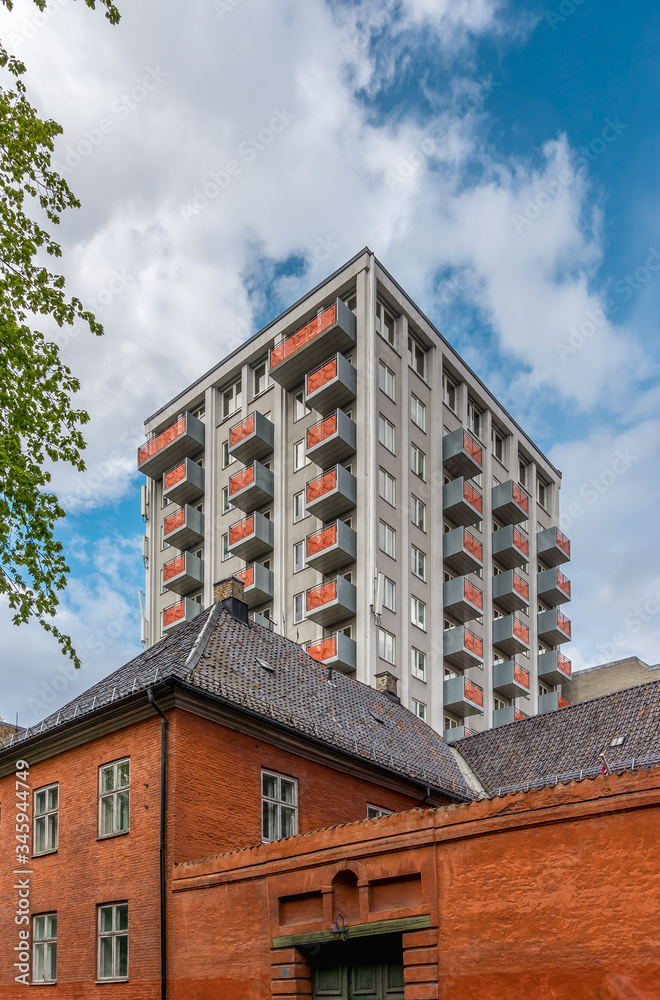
(367, 968)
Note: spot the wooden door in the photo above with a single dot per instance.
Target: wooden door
(364, 969)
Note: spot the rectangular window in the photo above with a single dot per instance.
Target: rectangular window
(418, 664)
(386, 380)
(418, 461)
(44, 936)
(416, 356)
(450, 723)
(46, 819)
(387, 539)
(225, 546)
(226, 504)
(523, 472)
(113, 941)
(450, 391)
(419, 709)
(386, 433)
(300, 407)
(232, 399)
(300, 459)
(418, 613)
(418, 562)
(299, 511)
(114, 790)
(418, 412)
(260, 378)
(298, 557)
(475, 418)
(498, 446)
(298, 608)
(389, 594)
(542, 492)
(386, 646)
(279, 806)
(418, 513)
(375, 812)
(384, 322)
(387, 487)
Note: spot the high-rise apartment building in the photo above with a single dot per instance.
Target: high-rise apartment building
(379, 504)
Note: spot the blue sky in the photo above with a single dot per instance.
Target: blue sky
(500, 158)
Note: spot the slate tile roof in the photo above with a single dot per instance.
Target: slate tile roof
(562, 744)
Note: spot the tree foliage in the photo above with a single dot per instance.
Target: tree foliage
(38, 423)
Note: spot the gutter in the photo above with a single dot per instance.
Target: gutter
(163, 887)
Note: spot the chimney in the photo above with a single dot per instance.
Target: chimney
(388, 685)
(229, 593)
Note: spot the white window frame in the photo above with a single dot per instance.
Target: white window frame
(224, 547)
(299, 549)
(389, 594)
(376, 812)
(543, 492)
(232, 398)
(387, 539)
(419, 709)
(386, 434)
(416, 353)
(44, 947)
(256, 378)
(498, 437)
(43, 818)
(386, 380)
(227, 505)
(301, 409)
(417, 508)
(300, 459)
(418, 461)
(418, 412)
(449, 389)
(280, 804)
(418, 563)
(387, 646)
(115, 934)
(475, 418)
(298, 608)
(299, 503)
(385, 322)
(387, 487)
(418, 663)
(114, 794)
(418, 612)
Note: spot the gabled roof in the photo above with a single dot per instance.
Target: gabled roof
(566, 744)
(255, 670)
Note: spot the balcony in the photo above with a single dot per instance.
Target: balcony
(463, 697)
(554, 667)
(510, 547)
(262, 620)
(462, 502)
(184, 483)
(331, 494)
(258, 584)
(252, 537)
(462, 600)
(462, 454)
(331, 440)
(553, 547)
(462, 648)
(331, 385)
(503, 716)
(332, 330)
(179, 614)
(551, 701)
(183, 573)
(331, 602)
(553, 627)
(251, 487)
(510, 591)
(182, 439)
(457, 733)
(336, 650)
(510, 503)
(462, 552)
(184, 528)
(251, 438)
(553, 587)
(510, 635)
(511, 680)
(332, 547)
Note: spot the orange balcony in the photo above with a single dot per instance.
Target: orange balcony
(510, 503)
(332, 330)
(510, 635)
(553, 547)
(251, 537)
(184, 573)
(258, 584)
(462, 454)
(251, 487)
(332, 385)
(184, 527)
(462, 600)
(331, 440)
(551, 701)
(332, 547)
(553, 587)
(336, 650)
(510, 547)
(463, 697)
(331, 494)
(179, 614)
(330, 602)
(553, 627)
(457, 733)
(511, 680)
(251, 438)
(462, 648)
(554, 667)
(504, 716)
(184, 483)
(182, 439)
(510, 591)
(462, 502)
(462, 552)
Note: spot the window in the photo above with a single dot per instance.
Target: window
(351, 301)
(498, 445)
(418, 613)
(227, 459)
(499, 703)
(375, 812)
(418, 412)
(384, 322)
(387, 487)
(226, 504)
(523, 472)
(418, 461)
(418, 664)
(450, 391)
(113, 941)
(385, 380)
(298, 557)
(46, 805)
(418, 513)
(450, 723)
(114, 782)
(44, 936)
(260, 380)
(232, 398)
(389, 594)
(298, 607)
(419, 709)
(475, 418)
(418, 562)
(386, 433)
(225, 546)
(300, 407)
(386, 645)
(300, 459)
(279, 806)
(449, 673)
(199, 411)
(299, 512)
(542, 492)
(417, 356)
(387, 539)
(543, 689)
(163, 543)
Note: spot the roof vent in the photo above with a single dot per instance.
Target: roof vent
(266, 665)
(617, 741)
(375, 715)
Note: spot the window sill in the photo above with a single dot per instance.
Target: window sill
(44, 854)
(102, 982)
(111, 836)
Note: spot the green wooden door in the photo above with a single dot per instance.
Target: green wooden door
(364, 969)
